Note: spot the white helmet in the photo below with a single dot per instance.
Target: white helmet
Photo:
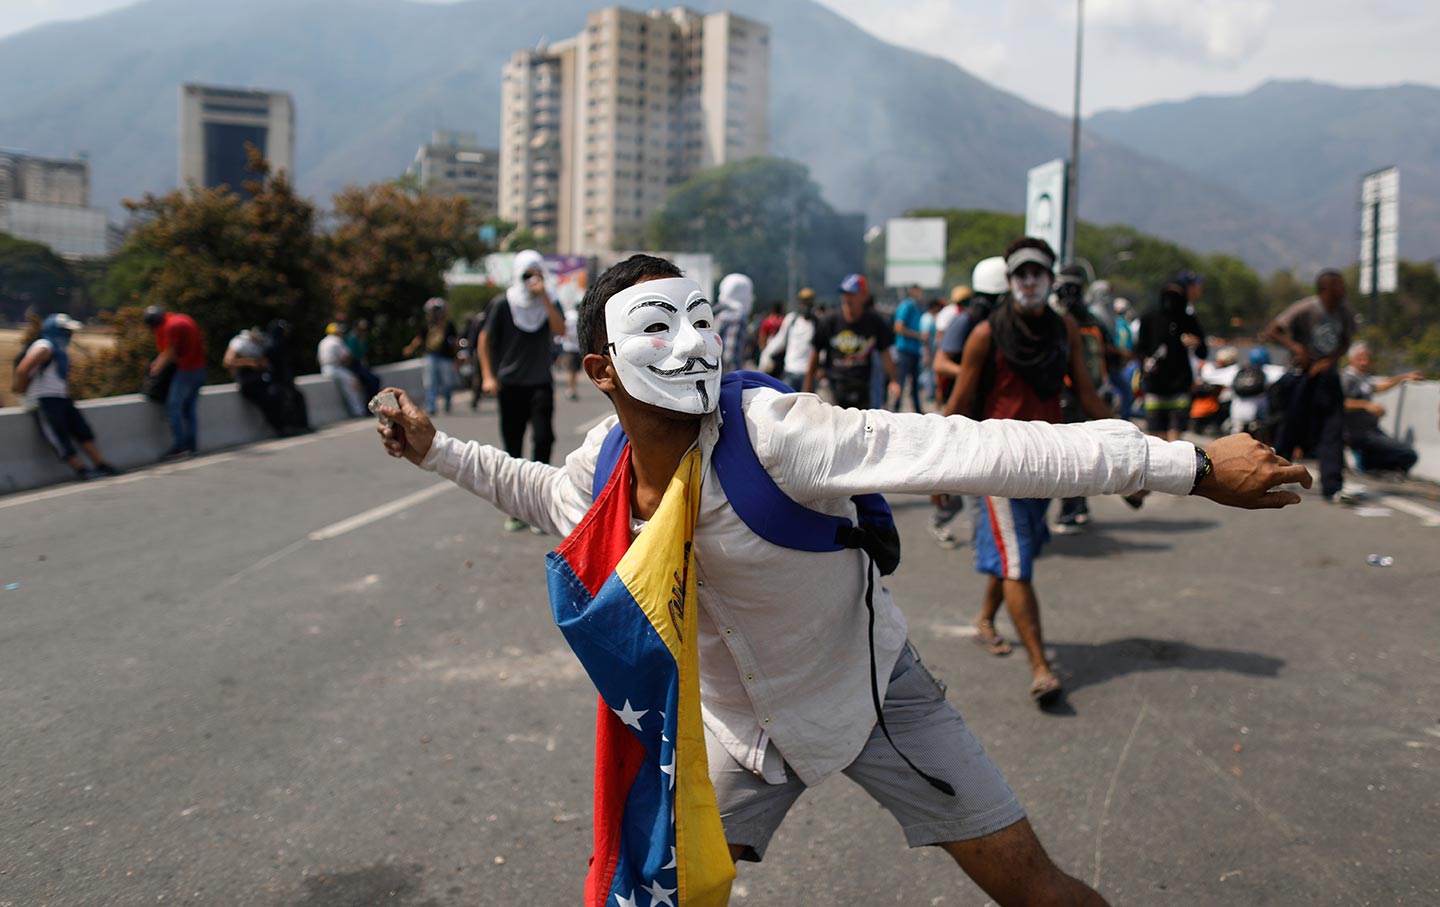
(989, 276)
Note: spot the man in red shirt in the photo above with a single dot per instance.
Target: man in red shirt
(182, 352)
(1014, 366)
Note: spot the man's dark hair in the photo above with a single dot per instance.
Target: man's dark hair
(1029, 242)
(590, 323)
(1327, 275)
(154, 315)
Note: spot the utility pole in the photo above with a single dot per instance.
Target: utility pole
(1072, 189)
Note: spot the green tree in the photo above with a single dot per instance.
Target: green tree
(758, 216)
(389, 252)
(33, 277)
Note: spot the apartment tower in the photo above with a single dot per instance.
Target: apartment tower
(597, 128)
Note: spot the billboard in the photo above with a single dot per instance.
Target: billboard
(1379, 231)
(1045, 204)
(915, 251)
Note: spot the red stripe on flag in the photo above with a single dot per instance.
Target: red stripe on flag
(594, 558)
(618, 757)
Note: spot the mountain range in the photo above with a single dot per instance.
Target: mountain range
(882, 129)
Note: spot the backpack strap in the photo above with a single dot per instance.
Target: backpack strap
(610, 450)
(756, 499)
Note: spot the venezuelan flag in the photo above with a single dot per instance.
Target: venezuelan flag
(628, 611)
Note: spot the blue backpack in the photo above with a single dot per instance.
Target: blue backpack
(759, 502)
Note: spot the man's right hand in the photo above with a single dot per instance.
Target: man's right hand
(410, 433)
(490, 385)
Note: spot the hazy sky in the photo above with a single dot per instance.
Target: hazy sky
(1137, 51)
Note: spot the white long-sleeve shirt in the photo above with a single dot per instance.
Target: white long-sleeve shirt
(784, 651)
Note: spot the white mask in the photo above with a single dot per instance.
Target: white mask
(1031, 291)
(665, 346)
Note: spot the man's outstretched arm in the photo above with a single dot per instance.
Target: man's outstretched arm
(551, 498)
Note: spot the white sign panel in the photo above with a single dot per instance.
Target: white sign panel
(1045, 204)
(915, 251)
(1380, 230)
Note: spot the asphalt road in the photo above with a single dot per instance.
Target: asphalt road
(235, 682)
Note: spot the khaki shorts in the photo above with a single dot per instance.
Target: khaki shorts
(928, 730)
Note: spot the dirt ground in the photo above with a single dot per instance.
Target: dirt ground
(10, 348)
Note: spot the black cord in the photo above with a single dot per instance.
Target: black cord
(875, 686)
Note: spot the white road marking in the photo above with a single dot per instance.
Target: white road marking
(1427, 515)
(378, 513)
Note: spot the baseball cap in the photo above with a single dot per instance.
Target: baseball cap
(855, 283)
(960, 294)
(1028, 256)
(1186, 278)
(65, 323)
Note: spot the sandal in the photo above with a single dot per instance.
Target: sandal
(1046, 689)
(986, 638)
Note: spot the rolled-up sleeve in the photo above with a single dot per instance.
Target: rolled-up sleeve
(816, 451)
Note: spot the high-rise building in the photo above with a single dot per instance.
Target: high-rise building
(48, 201)
(597, 128)
(453, 163)
(215, 125)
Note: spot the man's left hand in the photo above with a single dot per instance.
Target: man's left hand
(1246, 474)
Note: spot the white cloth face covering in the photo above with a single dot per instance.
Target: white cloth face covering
(1030, 286)
(665, 346)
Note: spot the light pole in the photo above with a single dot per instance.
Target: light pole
(1072, 190)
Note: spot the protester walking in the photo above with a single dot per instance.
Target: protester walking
(787, 355)
(516, 355)
(1317, 331)
(42, 374)
(845, 342)
(1015, 366)
(440, 341)
(805, 667)
(909, 347)
(182, 354)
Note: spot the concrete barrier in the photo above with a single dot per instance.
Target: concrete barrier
(1412, 414)
(132, 431)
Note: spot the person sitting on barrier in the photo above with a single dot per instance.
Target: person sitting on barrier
(245, 359)
(792, 670)
(1376, 451)
(42, 374)
(335, 364)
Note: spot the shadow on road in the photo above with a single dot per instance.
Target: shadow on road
(1083, 664)
(1097, 540)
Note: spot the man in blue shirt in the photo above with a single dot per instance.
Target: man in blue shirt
(909, 346)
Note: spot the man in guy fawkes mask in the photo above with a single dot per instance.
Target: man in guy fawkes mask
(791, 673)
(1017, 363)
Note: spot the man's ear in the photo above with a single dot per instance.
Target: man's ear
(600, 372)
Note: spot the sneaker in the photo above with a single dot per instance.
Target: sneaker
(536, 530)
(85, 475)
(572, 395)
(944, 537)
(515, 524)
(176, 454)
(1345, 497)
(1064, 527)
(1136, 500)
(105, 470)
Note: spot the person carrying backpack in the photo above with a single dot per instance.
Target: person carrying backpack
(805, 669)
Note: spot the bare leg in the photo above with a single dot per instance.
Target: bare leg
(985, 633)
(1013, 868)
(1024, 610)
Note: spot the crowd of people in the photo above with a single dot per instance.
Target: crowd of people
(792, 695)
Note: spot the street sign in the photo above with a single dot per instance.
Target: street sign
(915, 251)
(1045, 204)
(1379, 231)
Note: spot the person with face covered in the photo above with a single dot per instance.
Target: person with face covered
(732, 314)
(1015, 366)
(43, 375)
(516, 352)
(784, 636)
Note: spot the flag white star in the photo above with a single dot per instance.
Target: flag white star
(670, 770)
(630, 716)
(671, 864)
(659, 894)
(626, 902)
